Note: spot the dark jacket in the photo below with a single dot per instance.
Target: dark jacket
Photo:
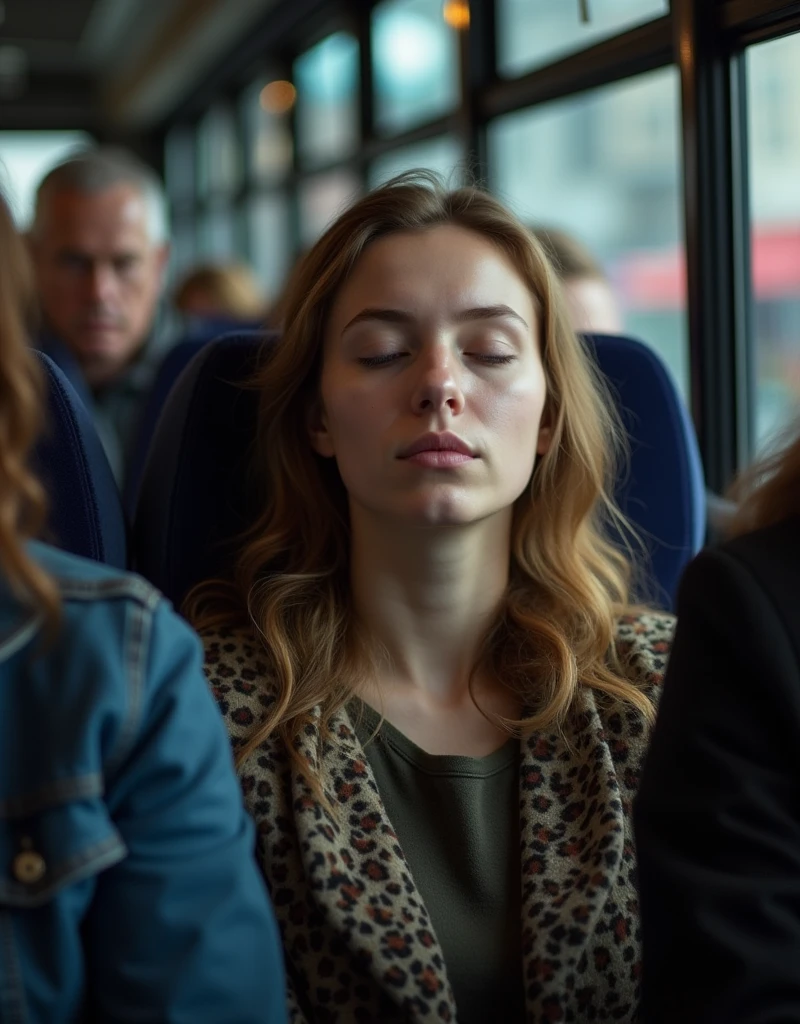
(115, 408)
(128, 886)
(718, 813)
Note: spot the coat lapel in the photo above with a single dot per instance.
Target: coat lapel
(362, 884)
(572, 839)
(354, 886)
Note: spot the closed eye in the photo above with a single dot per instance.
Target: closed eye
(493, 360)
(382, 360)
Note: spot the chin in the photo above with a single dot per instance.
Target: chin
(444, 513)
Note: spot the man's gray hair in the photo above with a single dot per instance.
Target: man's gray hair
(102, 168)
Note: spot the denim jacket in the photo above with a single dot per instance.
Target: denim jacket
(128, 888)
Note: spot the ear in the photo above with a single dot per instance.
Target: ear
(318, 433)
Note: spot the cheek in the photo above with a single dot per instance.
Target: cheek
(353, 417)
(515, 413)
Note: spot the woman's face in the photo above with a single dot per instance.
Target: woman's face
(432, 386)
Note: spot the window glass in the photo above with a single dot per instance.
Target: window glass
(25, 158)
(773, 75)
(218, 233)
(182, 254)
(267, 128)
(605, 168)
(179, 164)
(218, 157)
(270, 248)
(531, 33)
(322, 199)
(327, 99)
(415, 63)
(443, 155)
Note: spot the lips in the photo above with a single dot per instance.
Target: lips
(437, 443)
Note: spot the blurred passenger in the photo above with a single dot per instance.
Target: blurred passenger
(591, 302)
(718, 815)
(221, 293)
(425, 655)
(129, 891)
(99, 244)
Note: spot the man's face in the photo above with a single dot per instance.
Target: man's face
(99, 275)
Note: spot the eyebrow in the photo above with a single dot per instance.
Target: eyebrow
(398, 316)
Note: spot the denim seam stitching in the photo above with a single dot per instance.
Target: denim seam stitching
(54, 793)
(137, 638)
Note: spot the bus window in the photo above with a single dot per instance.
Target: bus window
(773, 79)
(534, 32)
(605, 166)
(443, 155)
(415, 63)
(322, 198)
(25, 157)
(269, 239)
(326, 77)
(268, 141)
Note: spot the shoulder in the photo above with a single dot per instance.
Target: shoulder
(82, 580)
(643, 643)
(767, 560)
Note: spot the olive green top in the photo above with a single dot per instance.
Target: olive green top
(457, 820)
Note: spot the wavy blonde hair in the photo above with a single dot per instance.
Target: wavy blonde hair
(22, 498)
(568, 582)
(768, 492)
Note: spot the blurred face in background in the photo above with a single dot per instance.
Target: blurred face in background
(99, 275)
(592, 305)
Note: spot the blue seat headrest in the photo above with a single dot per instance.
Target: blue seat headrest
(85, 516)
(663, 491)
(170, 368)
(194, 498)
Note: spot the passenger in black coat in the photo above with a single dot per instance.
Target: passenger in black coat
(718, 813)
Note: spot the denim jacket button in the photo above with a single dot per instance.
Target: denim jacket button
(28, 867)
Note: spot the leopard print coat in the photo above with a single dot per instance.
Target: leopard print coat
(359, 944)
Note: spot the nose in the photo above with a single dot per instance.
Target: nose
(438, 383)
(102, 283)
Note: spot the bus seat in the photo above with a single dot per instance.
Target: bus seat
(192, 495)
(176, 358)
(663, 491)
(170, 368)
(193, 498)
(85, 515)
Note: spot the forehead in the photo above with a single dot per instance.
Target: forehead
(436, 270)
(116, 216)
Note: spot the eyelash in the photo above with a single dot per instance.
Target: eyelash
(391, 357)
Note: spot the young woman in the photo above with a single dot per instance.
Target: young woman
(718, 815)
(425, 656)
(128, 888)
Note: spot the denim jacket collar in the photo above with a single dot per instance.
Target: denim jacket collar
(18, 623)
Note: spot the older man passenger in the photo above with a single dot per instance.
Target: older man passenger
(100, 250)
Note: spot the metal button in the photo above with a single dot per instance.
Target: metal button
(29, 867)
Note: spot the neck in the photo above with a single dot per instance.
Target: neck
(427, 596)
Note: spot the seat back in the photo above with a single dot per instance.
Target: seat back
(85, 515)
(194, 496)
(663, 491)
(172, 365)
